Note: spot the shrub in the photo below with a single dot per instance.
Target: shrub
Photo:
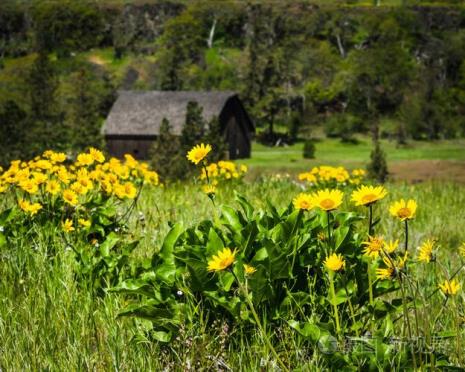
(309, 149)
(377, 168)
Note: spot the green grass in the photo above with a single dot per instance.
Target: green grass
(49, 322)
(333, 151)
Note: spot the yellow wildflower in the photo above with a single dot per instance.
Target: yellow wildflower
(303, 201)
(426, 251)
(198, 153)
(97, 155)
(450, 287)
(31, 208)
(391, 246)
(403, 210)
(367, 195)
(67, 225)
(373, 246)
(328, 200)
(249, 270)
(84, 223)
(84, 160)
(335, 262)
(29, 186)
(70, 197)
(209, 189)
(222, 261)
(52, 187)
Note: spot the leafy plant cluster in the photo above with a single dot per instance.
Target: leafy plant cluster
(279, 277)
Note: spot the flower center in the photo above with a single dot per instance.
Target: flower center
(369, 198)
(225, 262)
(327, 204)
(404, 212)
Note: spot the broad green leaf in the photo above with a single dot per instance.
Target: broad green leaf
(215, 244)
(108, 244)
(162, 336)
(307, 330)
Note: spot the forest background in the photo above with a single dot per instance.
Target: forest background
(301, 67)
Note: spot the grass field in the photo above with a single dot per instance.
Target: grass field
(417, 161)
(51, 320)
(333, 151)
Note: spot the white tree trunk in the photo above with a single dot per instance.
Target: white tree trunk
(211, 35)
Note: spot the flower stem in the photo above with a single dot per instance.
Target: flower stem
(406, 235)
(328, 214)
(351, 308)
(406, 320)
(370, 284)
(370, 221)
(333, 297)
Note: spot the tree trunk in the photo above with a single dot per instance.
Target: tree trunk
(211, 35)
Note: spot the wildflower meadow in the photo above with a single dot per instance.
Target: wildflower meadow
(103, 266)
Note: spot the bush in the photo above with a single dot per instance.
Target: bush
(309, 149)
(377, 168)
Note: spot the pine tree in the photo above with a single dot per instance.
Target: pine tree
(194, 128)
(377, 168)
(165, 154)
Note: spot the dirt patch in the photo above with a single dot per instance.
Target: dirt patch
(96, 60)
(415, 171)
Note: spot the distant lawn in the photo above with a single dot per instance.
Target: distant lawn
(332, 151)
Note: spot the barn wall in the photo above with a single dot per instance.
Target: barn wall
(139, 148)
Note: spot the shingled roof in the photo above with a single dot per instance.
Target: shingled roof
(137, 113)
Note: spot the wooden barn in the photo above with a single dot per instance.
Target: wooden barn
(135, 118)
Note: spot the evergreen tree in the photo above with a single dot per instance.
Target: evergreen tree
(165, 154)
(377, 168)
(194, 129)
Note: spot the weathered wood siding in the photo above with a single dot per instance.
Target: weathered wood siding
(137, 147)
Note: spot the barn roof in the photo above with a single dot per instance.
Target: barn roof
(141, 113)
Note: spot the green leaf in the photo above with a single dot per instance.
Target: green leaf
(226, 280)
(215, 244)
(245, 205)
(162, 336)
(108, 244)
(2, 240)
(166, 251)
(307, 330)
(230, 217)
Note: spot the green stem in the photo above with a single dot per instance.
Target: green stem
(370, 284)
(206, 172)
(333, 297)
(351, 308)
(406, 235)
(259, 324)
(406, 320)
(328, 214)
(370, 222)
